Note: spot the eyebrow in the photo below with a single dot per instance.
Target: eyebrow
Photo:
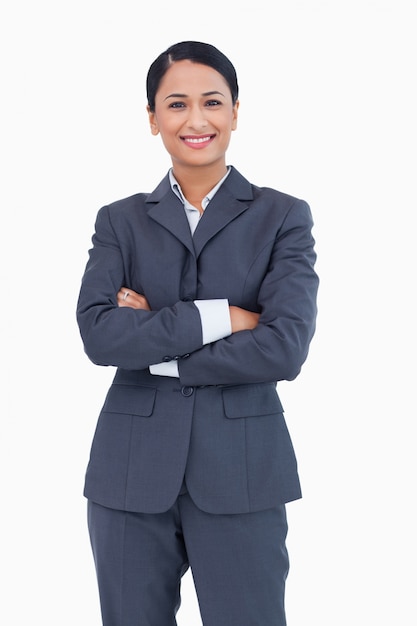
(184, 95)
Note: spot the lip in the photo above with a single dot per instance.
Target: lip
(197, 142)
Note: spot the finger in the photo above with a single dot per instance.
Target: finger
(123, 296)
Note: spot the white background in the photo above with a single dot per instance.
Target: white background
(328, 112)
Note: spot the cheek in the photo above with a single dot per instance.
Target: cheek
(167, 127)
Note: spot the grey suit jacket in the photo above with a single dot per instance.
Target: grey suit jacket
(221, 424)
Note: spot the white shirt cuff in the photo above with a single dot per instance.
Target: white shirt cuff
(215, 319)
(215, 324)
(168, 368)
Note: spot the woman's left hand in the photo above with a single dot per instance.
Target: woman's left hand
(128, 297)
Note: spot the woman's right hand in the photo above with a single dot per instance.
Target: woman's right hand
(241, 319)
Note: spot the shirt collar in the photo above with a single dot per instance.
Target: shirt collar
(175, 186)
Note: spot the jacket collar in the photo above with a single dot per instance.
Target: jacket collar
(232, 199)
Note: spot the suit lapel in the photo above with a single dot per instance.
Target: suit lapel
(218, 214)
(232, 199)
(167, 209)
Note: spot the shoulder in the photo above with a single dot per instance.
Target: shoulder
(275, 196)
(128, 204)
(282, 202)
(267, 199)
(121, 214)
(136, 204)
(248, 190)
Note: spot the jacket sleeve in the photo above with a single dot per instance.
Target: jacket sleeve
(122, 336)
(278, 346)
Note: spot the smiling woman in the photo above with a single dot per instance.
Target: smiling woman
(203, 294)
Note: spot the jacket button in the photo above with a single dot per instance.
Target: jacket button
(187, 391)
(166, 359)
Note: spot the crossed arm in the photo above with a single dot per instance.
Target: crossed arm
(275, 343)
(240, 319)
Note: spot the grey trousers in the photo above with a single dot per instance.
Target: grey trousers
(239, 564)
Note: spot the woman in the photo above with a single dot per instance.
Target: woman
(203, 295)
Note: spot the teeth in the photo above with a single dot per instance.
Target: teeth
(197, 139)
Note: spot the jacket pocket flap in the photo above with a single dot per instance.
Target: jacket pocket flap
(251, 400)
(130, 399)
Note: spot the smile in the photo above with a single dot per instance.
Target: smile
(197, 141)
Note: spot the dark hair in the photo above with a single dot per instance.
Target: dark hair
(195, 51)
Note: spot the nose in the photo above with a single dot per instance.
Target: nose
(197, 119)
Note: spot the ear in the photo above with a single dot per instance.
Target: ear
(234, 115)
(152, 121)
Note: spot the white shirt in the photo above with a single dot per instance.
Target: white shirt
(214, 314)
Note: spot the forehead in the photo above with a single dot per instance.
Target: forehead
(189, 78)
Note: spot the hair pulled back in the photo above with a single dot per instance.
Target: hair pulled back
(194, 51)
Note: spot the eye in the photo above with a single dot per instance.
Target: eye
(176, 105)
(213, 103)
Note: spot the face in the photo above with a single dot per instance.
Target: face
(194, 114)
